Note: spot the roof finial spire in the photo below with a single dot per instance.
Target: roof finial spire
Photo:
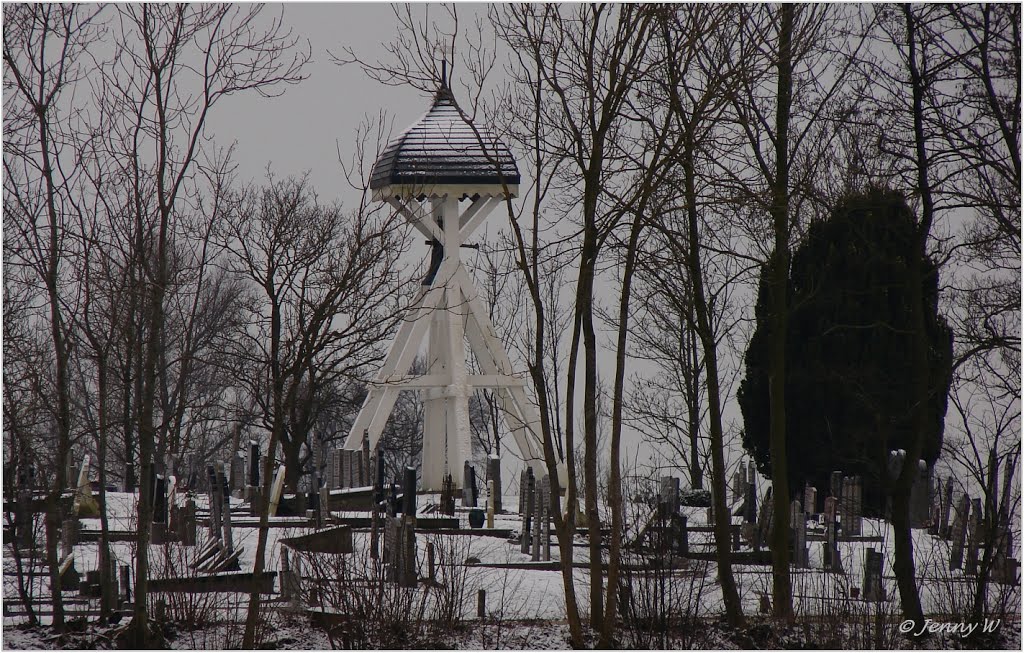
(444, 73)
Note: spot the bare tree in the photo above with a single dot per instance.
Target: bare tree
(909, 96)
(45, 53)
(785, 112)
(979, 71)
(566, 49)
(173, 65)
(324, 280)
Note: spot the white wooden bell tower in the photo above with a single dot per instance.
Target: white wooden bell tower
(445, 175)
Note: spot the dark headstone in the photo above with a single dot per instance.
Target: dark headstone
(810, 500)
(669, 492)
(944, 508)
(836, 484)
(448, 495)
(959, 529)
(973, 537)
(873, 588)
(468, 485)
(750, 505)
(409, 492)
(919, 493)
(254, 463)
(799, 527)
(160, 500)
(187, 524)
(526, 498)
(494, 474)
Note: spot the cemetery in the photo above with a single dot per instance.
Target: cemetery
(498, 531)
(630, 340)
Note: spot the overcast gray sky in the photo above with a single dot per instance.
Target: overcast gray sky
(302, 129)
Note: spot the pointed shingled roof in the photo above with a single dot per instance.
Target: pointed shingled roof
(444, 148)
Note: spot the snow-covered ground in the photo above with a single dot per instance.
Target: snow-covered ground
(525, 603)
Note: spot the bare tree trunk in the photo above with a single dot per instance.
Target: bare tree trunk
(585, 307)
(779, 265)
(106, 568)
(277, 391)
(692, 380)
(615, 474)
(702, 312)
(903, 553)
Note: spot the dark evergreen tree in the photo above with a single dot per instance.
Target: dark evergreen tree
(848, 349)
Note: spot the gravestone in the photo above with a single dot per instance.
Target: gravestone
(468, 485)
(409, 493)
(765, 527)
(172, 497)
(538, 512)
(254, 463)
(355, 465)
(214, 502)
(324, 507)
(873, 588)
(228, 538)
(750, 504)
(836, 484)
(739, 483)
(345, 475)
(160, 500)
(919, 493)
(158, 533)
(495, 474)
(448, 495)
(935, 507)
(832, 560)
(400, 551)
(490, 504)
(522, 491)
(290, 587)
(1003, 527)
(237, 472)
(24, 520)
(990, 488)
(810, 499)
(829, 513)
(187, 524)
(669, 493)
(545, 529)
(274, 500)
(798, 518)
(526, 498)
(850, 504)
(83, 490)
(125, 573)
(329, 469)
(1004, 571)
(830, 548)
(973, 537)
(947, 504)
(959, 529)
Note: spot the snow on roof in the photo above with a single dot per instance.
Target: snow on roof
(443, 147)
